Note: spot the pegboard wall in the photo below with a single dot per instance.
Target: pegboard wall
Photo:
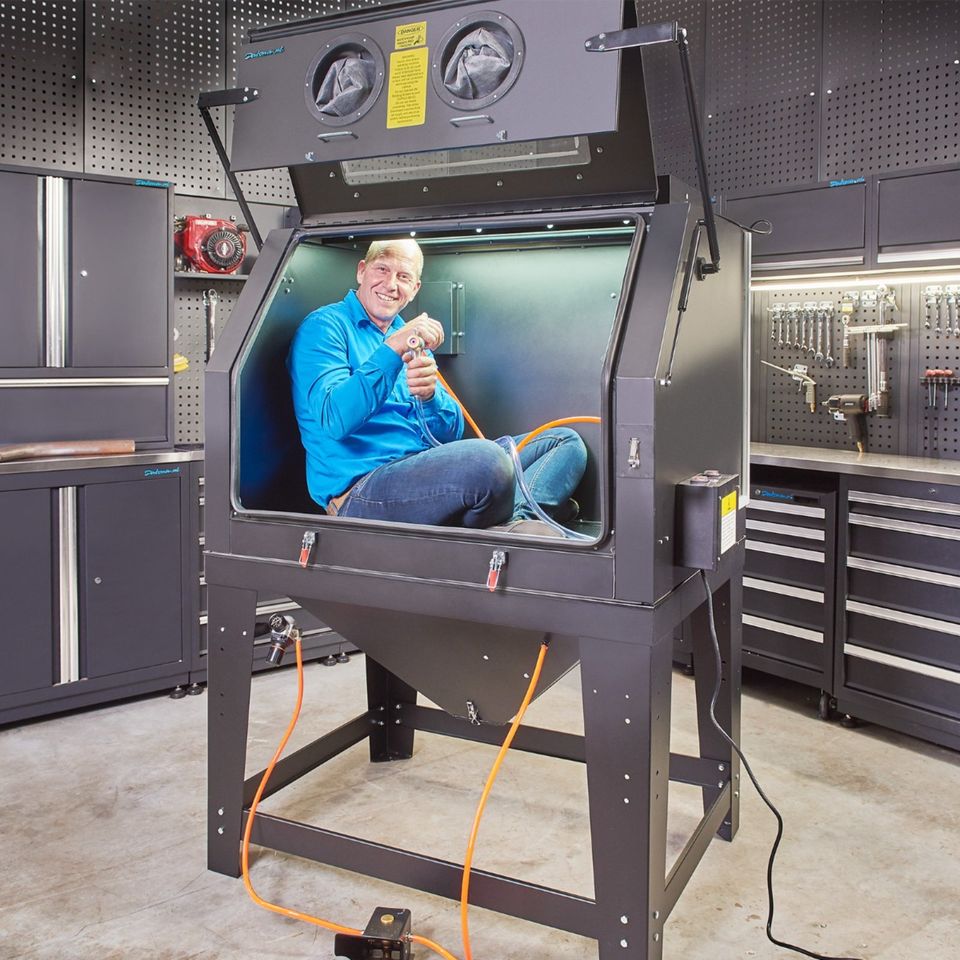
(190, 333)
(41, 86)
(790, 327)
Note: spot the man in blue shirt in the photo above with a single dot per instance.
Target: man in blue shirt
(369, 451)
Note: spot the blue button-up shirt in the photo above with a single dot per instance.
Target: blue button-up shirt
(353, 406)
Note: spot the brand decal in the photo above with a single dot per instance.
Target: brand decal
(160, 471)
(846, 183)
(773, 495)
(257, 54)
(152, 183)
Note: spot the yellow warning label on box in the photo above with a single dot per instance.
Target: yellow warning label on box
(728, 503)
(411, 35)
(407, 92)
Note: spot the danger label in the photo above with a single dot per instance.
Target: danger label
(411, 35)
(407, 93)
(728, 521)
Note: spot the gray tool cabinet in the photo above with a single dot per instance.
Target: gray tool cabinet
(87, 283)
(94, 568)
(889, 651)
(789, 580)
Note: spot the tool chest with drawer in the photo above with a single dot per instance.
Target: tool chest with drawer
(789, 581)
(899, 663)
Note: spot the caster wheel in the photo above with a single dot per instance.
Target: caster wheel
(851, 723)
(177, 693)
(343, 657)
(688, 670)
(195, 689)
(330, 661)
(825, 706)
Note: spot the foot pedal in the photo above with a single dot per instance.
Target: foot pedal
(385, 938)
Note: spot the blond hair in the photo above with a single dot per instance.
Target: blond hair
(405, 247)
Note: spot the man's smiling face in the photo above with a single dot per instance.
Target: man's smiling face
(385, 286)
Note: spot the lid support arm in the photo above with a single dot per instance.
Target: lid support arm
(646, 36)
(224, 98)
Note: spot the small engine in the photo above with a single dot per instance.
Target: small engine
(209, 245)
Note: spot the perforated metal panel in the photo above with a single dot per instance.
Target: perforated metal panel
(763, 66)
(920, 424)
(670, 125)
(938, 407)
(145, 64)
(244, 15)
(41, 104)
(190, 326)
(891, 86)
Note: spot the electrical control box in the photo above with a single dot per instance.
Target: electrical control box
(706, 518)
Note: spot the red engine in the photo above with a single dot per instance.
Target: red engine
(209, 245)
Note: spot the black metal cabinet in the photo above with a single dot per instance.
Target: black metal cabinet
(129, 575)
(899, 663)
(789, 577)
(94, 568)
(120, 284)
(26, 587)
(21, 264)
(86, 273)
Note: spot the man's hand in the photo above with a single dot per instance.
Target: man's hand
(422, 376)
(426, 328)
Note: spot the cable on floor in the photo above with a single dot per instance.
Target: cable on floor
(718, 663)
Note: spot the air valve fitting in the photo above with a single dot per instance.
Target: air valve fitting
(283, 632)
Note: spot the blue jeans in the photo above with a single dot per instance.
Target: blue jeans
(470, 483)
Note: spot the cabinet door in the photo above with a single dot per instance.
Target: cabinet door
(21, 266)
(26, 591)
(130, 575)
(120, 281)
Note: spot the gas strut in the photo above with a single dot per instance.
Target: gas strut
(646, 36)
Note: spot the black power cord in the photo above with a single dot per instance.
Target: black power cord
(753, 780)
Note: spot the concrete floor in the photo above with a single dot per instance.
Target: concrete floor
(102, 826)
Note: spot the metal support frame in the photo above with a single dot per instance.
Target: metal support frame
(226, 98)
(626, 689)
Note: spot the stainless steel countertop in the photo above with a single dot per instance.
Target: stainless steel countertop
(857, 464)
(88, 463)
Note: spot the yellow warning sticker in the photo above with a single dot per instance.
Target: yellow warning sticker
(407, 92)
(728, 503)
(411, 35)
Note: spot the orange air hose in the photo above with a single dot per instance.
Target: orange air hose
(563, 421)
(463, 409)
(468, 859)
(245, 849)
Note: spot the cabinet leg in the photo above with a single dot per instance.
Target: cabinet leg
(626, 712)
(230, 630)
(727, 608)
(387, 695)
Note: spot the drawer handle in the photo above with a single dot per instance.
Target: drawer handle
(905, 526)
(775, 548)
(793, 508)
(907, 503)
(901, 663)
(775, 626)
(905, 573)
(783, 589)
(785, 529)
(901, 616)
